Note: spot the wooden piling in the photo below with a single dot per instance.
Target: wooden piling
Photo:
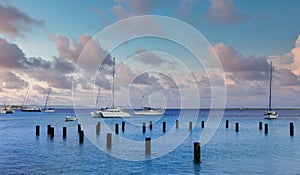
(237, 127)
(98, 128)
(260, 125)
(202, 124)
(177, 124)
(52, 132)
(144, 127)
(123, 126)
(291, 129)
(48, 129)
(148, 146)
(190, 126)
(266, 128)
(37, 130)
(227, 124)
(117, 128)
(150, 125)
(79, 128)
(164, 126)
(64, 132)
(197, 152)
(81, 136)
(108, 140)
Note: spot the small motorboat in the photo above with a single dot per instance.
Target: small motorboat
(70, 118)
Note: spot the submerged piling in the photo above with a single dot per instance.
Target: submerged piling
(291, 129)
(48, 129)
(37, 130)
(237, 127)
(108, 140)
(98, 128)
(177, 124)
(79, 128)
(52, 132)
(150, 125)
(197, 152)
(147, 145)
(64, 132)
(227, 124)
(266, 128)
(164, 126)
(81, 137)
(123, 126)
(190, 126)
(202, 124)
(144, 127)
(117, 128)
(260, 125)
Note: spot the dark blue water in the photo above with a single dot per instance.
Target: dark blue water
(249, 151)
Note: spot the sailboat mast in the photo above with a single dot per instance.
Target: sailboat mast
(97, 100)
(270, 90)
(113, 84)
(25, 98)
(47, 98)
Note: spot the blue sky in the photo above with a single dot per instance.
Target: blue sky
(245, 35)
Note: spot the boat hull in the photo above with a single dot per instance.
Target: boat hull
(271, 115)
(31, 110)
(96, 114)
(70, 118)
(148, 113)
(114, 113)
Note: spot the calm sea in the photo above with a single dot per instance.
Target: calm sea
(249, 151)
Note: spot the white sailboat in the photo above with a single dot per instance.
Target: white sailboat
(148, 111)
(270, 113)
(47, 107)
(113, 112)
(25, 108)
(97, 113)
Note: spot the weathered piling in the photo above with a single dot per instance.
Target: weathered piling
(147, 145)
(202, 124)
(260, 125)
(150, 125)
(164, 126)
(291, 129)
(108, 140)
(117, 128)
(98, 128)
(237, 128)
(81, 137)
(64, 132)
(79, 128)
(123, 126)
(37, 130)
(144, 127)
(197, 152)
(48, 129)
(52, 132)
(190, 126)
(227, 124)
(266, 128)
(177, 124)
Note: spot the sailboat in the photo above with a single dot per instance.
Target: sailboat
(47, 107)
(113, 112)
(270, 113)
(97, 113)
(25, 108)
(148, 111)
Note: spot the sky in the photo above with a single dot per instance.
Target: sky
(68, 47)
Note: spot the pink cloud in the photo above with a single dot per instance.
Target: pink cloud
(224, 11)
(15, 23)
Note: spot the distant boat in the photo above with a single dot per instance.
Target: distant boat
(270, 113)
(97, 113)
(113, 112)
(25, 108)
(47, 107)
(6, 110)
(70, 118)
(148, 111)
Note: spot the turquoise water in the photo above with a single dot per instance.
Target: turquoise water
(249, 151)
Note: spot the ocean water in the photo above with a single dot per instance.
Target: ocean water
(249, 151)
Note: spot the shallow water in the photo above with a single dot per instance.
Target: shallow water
(249, 151)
